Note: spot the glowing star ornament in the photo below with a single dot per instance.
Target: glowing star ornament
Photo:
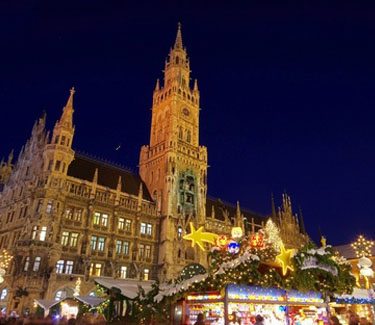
(197, 236)
(285, 258)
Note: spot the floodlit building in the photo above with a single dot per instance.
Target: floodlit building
(65, 215)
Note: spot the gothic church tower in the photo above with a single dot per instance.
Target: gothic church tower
(174, 165)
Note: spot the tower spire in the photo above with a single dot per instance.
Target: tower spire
(67, 115)
(178, 42)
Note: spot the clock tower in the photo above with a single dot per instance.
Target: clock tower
(174, 165)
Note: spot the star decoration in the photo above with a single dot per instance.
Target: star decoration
(285, 258)
(197, 236)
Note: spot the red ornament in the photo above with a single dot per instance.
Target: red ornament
(222, 241)
(257, 240)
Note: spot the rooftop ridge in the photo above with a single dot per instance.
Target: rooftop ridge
(101, 160)
(232, 205)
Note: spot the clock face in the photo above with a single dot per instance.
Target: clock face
(186, 112)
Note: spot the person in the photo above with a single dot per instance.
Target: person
(334, 321)
(364, 321)
(200, 320)
(353, 319)
(259, 320)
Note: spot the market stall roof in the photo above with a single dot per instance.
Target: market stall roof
(128, 287)
(359, 294)
(47, 303)
(90, 300)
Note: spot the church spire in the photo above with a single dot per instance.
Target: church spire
(67, 115)
(178, 42)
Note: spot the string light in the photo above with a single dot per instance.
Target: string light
(362, 246)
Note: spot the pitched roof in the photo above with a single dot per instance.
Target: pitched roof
(221, 206)
(83, 167)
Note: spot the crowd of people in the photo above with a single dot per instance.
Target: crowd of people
(88, 318)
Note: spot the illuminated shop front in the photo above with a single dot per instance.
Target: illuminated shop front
(276, 306)
(360, 302)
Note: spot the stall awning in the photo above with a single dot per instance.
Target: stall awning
(90, 300)
(358, 296)
(46, 303)
(128, 287)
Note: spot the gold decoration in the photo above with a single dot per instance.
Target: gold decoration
(197, 236)
(363, 247)
(285, 258)
(323, 241)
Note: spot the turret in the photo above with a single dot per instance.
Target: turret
(59, 154)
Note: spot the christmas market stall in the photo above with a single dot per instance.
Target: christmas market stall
(244, 303)
(250, 275)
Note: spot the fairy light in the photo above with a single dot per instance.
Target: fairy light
(5, 259)
(362, 246)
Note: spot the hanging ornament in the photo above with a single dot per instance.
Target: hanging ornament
(285, 259)
(257, 240)
(233, 247)
(197, 236)
(222, 241)
(237, 232)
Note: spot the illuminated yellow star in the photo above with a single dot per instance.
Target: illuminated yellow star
(285, 258)
(197, 236)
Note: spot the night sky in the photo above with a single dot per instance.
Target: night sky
(287, 93)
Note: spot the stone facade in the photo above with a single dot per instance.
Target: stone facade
(65, 215)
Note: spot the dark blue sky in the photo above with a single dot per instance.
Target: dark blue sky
(287, 92)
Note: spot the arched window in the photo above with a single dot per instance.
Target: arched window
(177, 60)
(188, 136)
(180, 133)
(179, 232)
(4, 294)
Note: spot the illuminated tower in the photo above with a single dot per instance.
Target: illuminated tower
(174, 165)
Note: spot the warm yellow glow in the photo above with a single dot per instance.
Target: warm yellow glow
(362, 246)
(237, 232)
(285, 258)
(197, 236)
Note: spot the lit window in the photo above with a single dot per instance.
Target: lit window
(4, 294)
(141, 250)
(27, 263)
(69, 213)
(118, 246)
(73, 239)
(147, 251)
(104, 220)
(123, 271)
(34, 232)
(128, 225)
(61, 294)
(65, 238)
(69, 267)
(101, 241)
(146, 274)
(43, 233)
(94, 239)
(143, 228)
(121, 224)
(126, 247)
(179, 232)
(60, 266)
(95, 269)
(36, 264)
(96, 220)
(63, 140)
(77, 214)
(149, 229)
(49, 207)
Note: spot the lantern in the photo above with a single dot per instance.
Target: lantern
(237, 232)
(233, 247)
